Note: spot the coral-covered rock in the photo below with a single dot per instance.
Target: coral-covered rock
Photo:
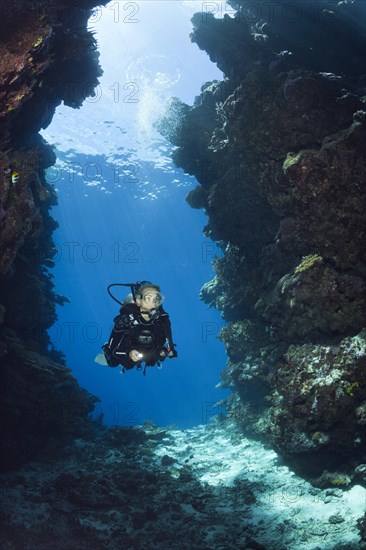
(321, 389)
(284, 190)
(314, 300)
(41, 401)
(45, 47)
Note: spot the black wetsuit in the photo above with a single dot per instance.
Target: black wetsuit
(152, 338)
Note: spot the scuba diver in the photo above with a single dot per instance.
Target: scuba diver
(142, 331)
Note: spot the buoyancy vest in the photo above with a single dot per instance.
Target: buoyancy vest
(139, 333)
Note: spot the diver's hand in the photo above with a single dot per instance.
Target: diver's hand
(172, 353)
(135, 355)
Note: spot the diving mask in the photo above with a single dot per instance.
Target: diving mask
(152, 298)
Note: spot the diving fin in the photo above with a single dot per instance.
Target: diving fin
(100, 359)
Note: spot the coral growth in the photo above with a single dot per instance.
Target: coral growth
(46, 56)
(278, 148)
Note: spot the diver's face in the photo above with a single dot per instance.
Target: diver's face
(151, 299)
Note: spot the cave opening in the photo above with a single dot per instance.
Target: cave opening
(122, 217)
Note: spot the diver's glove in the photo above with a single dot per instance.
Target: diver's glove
(135, 356)
(172, 352)
(169, 346)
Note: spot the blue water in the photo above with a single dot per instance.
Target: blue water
(106, 238)
(123, 218)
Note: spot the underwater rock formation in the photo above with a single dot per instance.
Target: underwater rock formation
(209, 487)
(278, 148)
(46, 56)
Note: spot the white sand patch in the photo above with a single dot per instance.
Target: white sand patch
(283, 503)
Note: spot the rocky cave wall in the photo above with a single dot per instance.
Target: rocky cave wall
(46, 56)
(278, 148)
